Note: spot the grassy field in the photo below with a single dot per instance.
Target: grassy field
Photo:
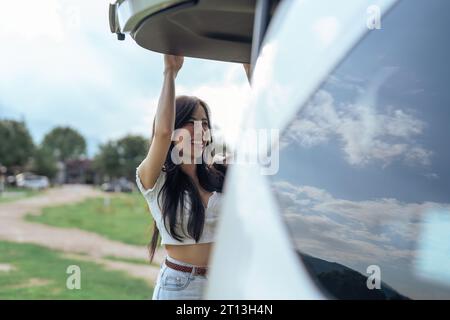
(126, 218)
(130, 260)
(33, 272)
(13, 193)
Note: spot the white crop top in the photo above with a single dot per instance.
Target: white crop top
(211, 214)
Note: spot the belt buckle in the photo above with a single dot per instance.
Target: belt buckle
(200, 271)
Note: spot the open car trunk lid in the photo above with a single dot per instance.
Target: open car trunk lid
(209, 29)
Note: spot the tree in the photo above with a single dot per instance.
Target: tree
(107, 162)
(132, 150)
(44, 162)
(120, 158)
(16, 144)
(65, 143)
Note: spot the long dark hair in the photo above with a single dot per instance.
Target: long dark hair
(178, 184)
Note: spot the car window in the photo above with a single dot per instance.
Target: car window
(364, 183)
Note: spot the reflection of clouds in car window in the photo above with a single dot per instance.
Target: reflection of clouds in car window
(372, 218)
(364, 133)
(353, 233)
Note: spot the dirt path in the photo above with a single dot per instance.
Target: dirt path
(14, 228)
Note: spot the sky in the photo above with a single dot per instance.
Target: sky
(61, 66)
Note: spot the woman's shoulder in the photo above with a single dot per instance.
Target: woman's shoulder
(150, 192)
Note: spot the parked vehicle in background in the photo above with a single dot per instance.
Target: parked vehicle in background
(119, 185)
(11, 180)
(32, 181)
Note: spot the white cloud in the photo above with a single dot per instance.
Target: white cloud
(365, 134)
(431, 176)
(31, 20)
(352, 232)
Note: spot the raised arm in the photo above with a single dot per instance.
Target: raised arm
(163, 126)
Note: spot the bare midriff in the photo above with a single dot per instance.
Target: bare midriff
(196, 254)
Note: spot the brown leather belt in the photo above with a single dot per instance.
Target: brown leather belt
(198, 270)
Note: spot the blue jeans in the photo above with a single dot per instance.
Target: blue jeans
(172, 284)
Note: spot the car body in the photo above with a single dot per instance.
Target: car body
(32, 181)
(353, 200)
(118, 185)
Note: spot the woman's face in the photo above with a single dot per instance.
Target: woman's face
(196, 133)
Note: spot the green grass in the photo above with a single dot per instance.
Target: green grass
(131, 260)
(40, 273)
(14, 193)
(126, 219)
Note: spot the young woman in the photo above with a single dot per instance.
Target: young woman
(182, 190)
